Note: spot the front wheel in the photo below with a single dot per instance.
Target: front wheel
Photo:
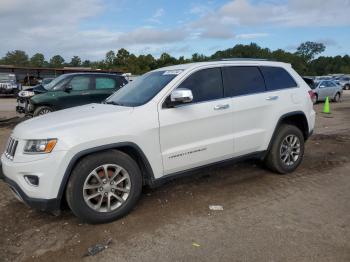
(286, 151)
(337, 97)
(104, 187)
(42, 110)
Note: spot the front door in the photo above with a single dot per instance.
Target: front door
(200, 132)
(78, 94)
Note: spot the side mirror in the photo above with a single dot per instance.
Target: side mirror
(68, 88)
(181, 96)
(322, 86)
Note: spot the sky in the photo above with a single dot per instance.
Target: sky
(90, 28)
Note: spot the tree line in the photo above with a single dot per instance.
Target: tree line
(303, 60)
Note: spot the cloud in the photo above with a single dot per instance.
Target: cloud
(251, 35)
(58, 26)
(157, 15)
(152, 36)
(284, 13)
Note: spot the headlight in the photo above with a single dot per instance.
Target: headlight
(40, 146)
(26, 93)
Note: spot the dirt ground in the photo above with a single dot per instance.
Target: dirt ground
(304, 216)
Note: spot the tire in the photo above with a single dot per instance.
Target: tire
(337, 97)
(42, 110)
(274, 157)
(77, 194)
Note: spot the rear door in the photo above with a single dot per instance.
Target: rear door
(200, 132)
(252, 111)
(104, 86)
(283, 95)
(79, 93)
(333, 88)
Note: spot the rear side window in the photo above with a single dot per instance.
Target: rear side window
(242, 80)
(277, 78)
(105, 83)
(205, 85)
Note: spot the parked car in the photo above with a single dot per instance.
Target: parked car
(68, 90)
(46, 81)
(327, 88)
(344, 81)
(8, 84)
(165, 124)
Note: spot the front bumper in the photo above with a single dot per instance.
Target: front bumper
(24, 106)
(8, 91)
(48, 205)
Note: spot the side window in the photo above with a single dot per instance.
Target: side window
(79, 83)
(121, 81)
(205, 85)
(242, 80)
(277, 78)
(105, 83)
(331, 84)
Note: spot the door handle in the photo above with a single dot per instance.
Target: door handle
(271, 98)
(221, 107)
(85, 93)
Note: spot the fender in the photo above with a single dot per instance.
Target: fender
(147, 176)
(282, 118)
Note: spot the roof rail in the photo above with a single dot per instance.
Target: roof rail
(243, 59)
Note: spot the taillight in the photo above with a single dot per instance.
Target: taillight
(312, 96)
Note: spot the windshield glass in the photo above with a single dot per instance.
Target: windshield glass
(142, 89)
(54, 82)
(7, 78)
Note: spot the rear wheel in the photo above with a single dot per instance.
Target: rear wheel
(42, 110)
(287, 150)
(104, 187)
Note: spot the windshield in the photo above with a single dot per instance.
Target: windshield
(7, 78)
(142, 89)
(54, 82)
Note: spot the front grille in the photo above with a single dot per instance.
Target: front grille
(11, 148)
(2, 85)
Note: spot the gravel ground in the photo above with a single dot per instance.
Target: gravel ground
(304, 216)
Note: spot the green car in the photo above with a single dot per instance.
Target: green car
(68, 90)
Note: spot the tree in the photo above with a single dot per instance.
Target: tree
(56, 61)
(76, 61)
(17, 58)
(309, 50)
(122, 57)
(37, 60)
(110, 59)
(166, 59)
(86, 63)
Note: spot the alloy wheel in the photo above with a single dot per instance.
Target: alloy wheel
(106, 188)
(290, 150)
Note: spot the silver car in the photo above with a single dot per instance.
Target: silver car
(327, 88)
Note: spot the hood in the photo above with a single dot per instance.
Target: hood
(73, 121)
(38, 89)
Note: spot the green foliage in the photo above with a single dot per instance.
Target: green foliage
(57, 61)
(17, 57)
(303, 60)
(309, 50)
(76, 61)
(37, 60)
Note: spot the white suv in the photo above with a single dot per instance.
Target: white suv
(169, 121)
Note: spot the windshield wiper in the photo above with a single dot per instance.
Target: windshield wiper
(112, 103)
